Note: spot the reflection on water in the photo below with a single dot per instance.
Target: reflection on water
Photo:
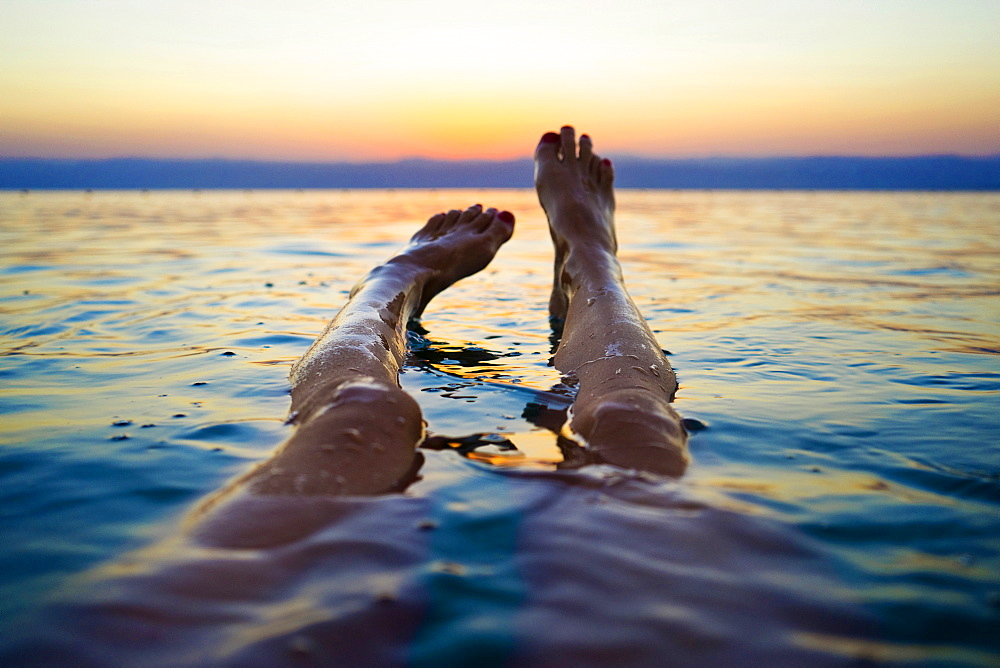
(839, 350)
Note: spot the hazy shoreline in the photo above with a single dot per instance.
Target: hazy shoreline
(942, 173)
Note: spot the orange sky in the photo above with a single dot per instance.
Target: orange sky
(308, 80)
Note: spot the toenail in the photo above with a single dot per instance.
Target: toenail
(606, 162)
(550, 138)
(506, 216)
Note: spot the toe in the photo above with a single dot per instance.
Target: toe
(548, 147)
(449, 220)
(432, 226)
(505, 220)
(484, 219)
(607, 173)
(586, 149)
(471, 213)
(498, 224)
(568, 137)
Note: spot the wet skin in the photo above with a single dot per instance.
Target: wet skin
(357, 431)
(622, 408)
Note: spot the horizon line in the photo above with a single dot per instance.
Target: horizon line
(927, 172)
(417, 158)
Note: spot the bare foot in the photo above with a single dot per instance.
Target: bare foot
(577, 194)
(622, 411)
(454, 245)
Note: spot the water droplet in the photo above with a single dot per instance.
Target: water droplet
(121, 423)
(180, 415)
(655, 369)
(590, 301)
(229, 353)
(427, 525)
(353, 434)
(120, 437)
(200, 382)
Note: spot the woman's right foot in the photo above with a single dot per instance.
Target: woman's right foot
(576, 190)
(622, 410)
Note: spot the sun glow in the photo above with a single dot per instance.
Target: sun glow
(383, 80)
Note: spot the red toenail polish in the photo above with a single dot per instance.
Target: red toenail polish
(550, 138)
(606, 162)
(506, 216)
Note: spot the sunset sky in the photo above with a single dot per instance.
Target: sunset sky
(385, 79)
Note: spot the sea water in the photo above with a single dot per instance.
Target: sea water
(837, 355)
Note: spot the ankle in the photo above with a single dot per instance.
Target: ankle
(591, 266)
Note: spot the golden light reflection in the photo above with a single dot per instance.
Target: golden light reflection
(884, 652)
(814, 484)
(536, 449)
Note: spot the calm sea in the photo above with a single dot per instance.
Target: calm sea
(838, 361)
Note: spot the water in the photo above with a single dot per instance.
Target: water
(839, 348)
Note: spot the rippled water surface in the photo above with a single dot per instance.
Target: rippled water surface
(838, 361)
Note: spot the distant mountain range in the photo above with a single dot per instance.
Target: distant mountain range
(810, 173)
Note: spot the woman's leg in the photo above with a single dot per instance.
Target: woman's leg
(622, 409)
(357, 430)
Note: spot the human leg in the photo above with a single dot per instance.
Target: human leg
(357, 430)
(625, 383)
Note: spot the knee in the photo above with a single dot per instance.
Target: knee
(373, 396)
(635, 434)
(361, 396)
